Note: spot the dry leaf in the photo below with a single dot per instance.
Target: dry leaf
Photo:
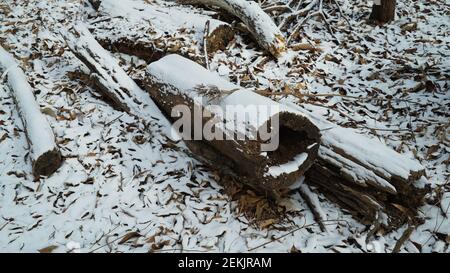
(48, 249)
(48, 111)
(305, 46)
(129, 236)
(267, 223)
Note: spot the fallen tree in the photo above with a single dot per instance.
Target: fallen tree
(44, 153)
(164, 24)
(367, 178)
(202, 91)
(373, 182)
(259, 23)
(110, 79)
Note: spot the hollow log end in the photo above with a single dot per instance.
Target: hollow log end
(47, 163)
(219, 38)
(298, 135)
(285, 180)
(302, 124)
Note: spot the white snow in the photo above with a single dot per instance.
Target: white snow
(137, 188)
(288, 167)
(167, 18)
(187, 76)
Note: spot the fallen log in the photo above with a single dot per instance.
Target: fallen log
(232, 112)
(259, 23)
(110, 79)
(168, 29)
(44, 153)
(372, 181)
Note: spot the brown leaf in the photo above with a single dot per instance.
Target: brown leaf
(431, 150)
(3, 137)
(48, 111)
(129, 236)
(267, 223)
(151, 239)
(48, 249)
(409, 27)
(305, 46)
(295, 250)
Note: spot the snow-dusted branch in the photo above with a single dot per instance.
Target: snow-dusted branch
(259, 23)
(44, 152)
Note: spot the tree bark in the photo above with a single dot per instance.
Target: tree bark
(365, 177)
(201, 90)
(110, 79)
(383, 11)
(44, 153)
(164, 24)
(259, 23)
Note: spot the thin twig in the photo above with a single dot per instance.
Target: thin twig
(205, 41)
(277, 8)
(301, 12)
(342, 13)
(304, 193)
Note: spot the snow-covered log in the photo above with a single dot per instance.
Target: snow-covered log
(259, 23)
(165, 23)
(44, 153)
(111, 80)
(232, 111)
(365, 176)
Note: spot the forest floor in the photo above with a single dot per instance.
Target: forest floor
(116, 193)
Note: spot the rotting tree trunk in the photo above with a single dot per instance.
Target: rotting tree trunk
(146, 51)
(201, 90)
(166, 21)
(383, 11)
(259, 23)
(45, 155)
(110, 79)
(370, 180)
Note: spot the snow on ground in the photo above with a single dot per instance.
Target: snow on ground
(115, 192)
